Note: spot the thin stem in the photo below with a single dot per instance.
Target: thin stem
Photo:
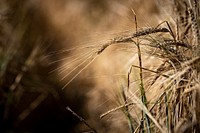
(81, 119)
(126, 111)
(143, 98)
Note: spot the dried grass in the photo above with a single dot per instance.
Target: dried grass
(159, 86)
(175, 103)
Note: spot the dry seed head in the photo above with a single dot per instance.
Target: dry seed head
(195, 29)
(103, 47)
(129, 38)
(149, 31)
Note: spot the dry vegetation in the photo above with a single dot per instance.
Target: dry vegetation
(99, 66)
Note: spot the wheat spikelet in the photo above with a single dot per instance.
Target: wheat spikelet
(194, 24)
(92, 52)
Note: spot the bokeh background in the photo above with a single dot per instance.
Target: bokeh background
(32, 32)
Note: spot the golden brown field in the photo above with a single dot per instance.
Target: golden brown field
(99, 66)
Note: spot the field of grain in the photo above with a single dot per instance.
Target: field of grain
(99, 66)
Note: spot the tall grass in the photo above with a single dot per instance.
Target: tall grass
(159, 88)
(170, 102)
(174, 103)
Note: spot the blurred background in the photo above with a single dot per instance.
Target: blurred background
(32, 32)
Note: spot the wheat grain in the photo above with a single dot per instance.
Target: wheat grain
(130, 38)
